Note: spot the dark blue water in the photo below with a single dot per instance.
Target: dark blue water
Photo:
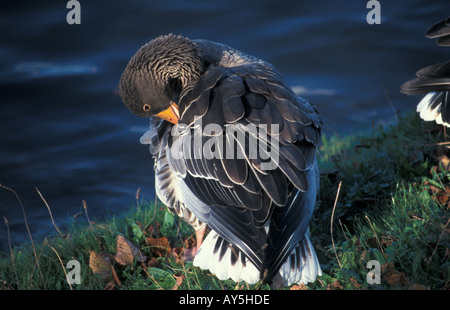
(64, 130)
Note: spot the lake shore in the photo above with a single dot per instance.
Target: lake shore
(384, 203)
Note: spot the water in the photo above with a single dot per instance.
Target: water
(65, 131)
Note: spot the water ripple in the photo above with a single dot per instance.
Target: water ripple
(46, 69)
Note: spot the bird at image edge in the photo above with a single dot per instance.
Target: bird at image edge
(258, 218)
(434, 81)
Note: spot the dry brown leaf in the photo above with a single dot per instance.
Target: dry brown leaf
(153, 262)
(187, 251)
(336, 285)
(177, 253)
(384, 240)
(159, 246)
(153, 230)
(126, 252)
(387, 267)
(444, 195)
(393, 276)
(355, 283)
(179, 280)
(297, 287)
(110, 285)
(101, 264)
(441, 195)
(417, 287)
(190, 242)
(397, 279)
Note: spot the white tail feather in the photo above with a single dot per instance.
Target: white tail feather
(306, 266)
(427, 112)
(301, 265)
(240, 269)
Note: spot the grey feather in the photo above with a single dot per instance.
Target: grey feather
(238, 199)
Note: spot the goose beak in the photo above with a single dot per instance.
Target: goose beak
(171, 114)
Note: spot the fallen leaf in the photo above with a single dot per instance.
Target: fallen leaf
(179, 280)
(159, 246)
(384, 240)
(188, 251)
(110, 285)
(297, 287)
(153, 262)
(336, 285)
(190, 242)
(126, 252)
(443, 195)
(393, 276)
(355, 283)
(177, 253)
(101, 264)
(153, 230)
(416, 287)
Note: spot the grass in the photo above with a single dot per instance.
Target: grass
(392, 207)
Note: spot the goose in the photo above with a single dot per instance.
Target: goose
(234, 156)
(433, 81)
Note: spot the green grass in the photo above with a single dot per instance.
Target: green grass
(392, 207)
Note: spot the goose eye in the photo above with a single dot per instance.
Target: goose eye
(146, 107)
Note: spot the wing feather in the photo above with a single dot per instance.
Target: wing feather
(441, 31)
(238, 196)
